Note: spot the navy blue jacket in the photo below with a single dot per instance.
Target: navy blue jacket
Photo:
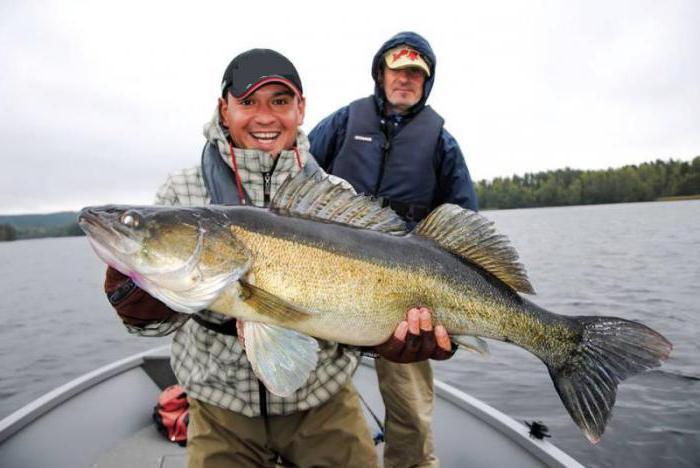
(449, 180)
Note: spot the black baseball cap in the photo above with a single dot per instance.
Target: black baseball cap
(255, 68)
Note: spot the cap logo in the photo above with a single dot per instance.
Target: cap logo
(404, 56)
(412, 55)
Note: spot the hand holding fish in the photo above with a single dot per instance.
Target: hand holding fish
(414, 339)
(135, 306)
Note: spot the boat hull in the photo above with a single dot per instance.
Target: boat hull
(72, 425)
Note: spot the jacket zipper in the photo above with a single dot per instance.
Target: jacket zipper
(267, 187)
(388, 135)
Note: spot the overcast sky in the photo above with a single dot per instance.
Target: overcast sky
(100, 100)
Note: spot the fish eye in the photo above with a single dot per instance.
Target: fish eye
(130, 219)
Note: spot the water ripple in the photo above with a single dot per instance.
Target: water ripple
(636, 261)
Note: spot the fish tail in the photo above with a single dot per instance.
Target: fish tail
(610, 350)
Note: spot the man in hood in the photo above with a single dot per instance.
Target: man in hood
(394, 146)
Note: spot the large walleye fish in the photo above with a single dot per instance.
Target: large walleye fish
(323, 262)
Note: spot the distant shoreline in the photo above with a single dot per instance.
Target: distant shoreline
(72, 229)
(649, 181)
(39, 226)
(679, 198)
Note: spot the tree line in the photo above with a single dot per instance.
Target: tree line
(645, 182)
(635, 183)
(9, 232)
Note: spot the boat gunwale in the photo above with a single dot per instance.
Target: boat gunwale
(504, 424)
(35, 409)
(510, 427)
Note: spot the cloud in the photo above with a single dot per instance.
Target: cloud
(101, 101)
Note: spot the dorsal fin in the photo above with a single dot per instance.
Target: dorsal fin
(472, 237)
(316, 197)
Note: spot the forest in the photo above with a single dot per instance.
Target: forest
(9, 232)
(634, 183)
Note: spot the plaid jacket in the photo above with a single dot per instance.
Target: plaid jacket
(213, 367)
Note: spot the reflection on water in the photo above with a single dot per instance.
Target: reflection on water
(636, 261)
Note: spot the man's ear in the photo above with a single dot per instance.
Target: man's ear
(223, 111)
(301, 103)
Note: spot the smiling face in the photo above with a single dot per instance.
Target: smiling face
(403, 88)
(266, 120)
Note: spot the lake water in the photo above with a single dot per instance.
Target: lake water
(637, 261)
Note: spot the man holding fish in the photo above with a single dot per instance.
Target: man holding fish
(254, 143)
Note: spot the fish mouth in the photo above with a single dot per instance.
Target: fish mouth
(91, 223)
(108, 238)
(96, 221)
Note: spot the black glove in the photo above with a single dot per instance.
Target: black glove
(134, 305)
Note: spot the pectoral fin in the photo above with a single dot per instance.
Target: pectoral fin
(270, 305)
(280, 357)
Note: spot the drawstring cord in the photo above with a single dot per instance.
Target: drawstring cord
(296, 152)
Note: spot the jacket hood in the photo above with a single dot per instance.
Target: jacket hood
(415, 41)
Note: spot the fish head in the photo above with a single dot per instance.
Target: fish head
(184, 257)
